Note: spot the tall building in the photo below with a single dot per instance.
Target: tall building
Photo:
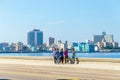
(107, 42)
(51, 41)
(35, 38)
(108, 38)
(97, 38)
(103, 33)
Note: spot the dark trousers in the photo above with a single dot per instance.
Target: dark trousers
(55, 59)
(66, 59)
(61, 59)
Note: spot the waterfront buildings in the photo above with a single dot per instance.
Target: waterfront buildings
(84, 47)
(51, 41)
(35, 38)
(97, 38)
(7, 49)
(1, 47)
(4, 46)
(107, 41)
(75, 45)
(19, 46)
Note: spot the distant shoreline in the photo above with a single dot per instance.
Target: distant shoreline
(69, 52)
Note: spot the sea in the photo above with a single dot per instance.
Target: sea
(79, 55)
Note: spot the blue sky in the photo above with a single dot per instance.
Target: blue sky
(72, 20)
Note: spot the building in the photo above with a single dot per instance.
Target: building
(65, 45)
(75, 45)
(103, 33)
(107, 42)
(13, 47)
(51, 41)
(35, 38)
(1, 47)
(97, 38)
(115, 44)
(7, 49)
(19, 46)
(85, 47)
(109, 38)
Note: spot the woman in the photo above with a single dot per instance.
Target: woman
(54, 55)
(61, 56)
(57, 56)
(66, 55)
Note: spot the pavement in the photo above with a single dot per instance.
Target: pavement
(18, 68)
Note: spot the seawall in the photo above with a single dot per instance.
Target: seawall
(113, 60)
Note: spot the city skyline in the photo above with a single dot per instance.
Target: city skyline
(64, 20)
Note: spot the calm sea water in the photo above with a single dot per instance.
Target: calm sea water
(80, 55)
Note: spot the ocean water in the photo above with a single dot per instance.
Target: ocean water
(79, 55)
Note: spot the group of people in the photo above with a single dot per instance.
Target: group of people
(61, 56)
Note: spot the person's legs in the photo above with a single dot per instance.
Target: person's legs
(66, 59)
(55, 60)
(73, 60)
(62, 59)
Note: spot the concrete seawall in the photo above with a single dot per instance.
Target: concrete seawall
(113, 60)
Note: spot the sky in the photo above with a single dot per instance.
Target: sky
(72, 20)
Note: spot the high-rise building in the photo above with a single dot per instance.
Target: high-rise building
(103, 33)
(51, 41)
(35, 38)
(108, 38)
(97, 38)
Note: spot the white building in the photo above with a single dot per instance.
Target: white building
(19, 46)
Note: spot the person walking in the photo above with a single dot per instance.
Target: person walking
(61, 56)
(66, 55)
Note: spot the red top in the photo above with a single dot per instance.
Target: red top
(66, 52)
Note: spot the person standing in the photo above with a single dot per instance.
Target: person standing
(66, 55)
(73, 55)
(54, 55)
(57, 56)
(61, 56)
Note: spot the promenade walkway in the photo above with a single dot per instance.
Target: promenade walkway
(17, 68)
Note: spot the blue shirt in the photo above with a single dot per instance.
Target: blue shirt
(61, 54)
